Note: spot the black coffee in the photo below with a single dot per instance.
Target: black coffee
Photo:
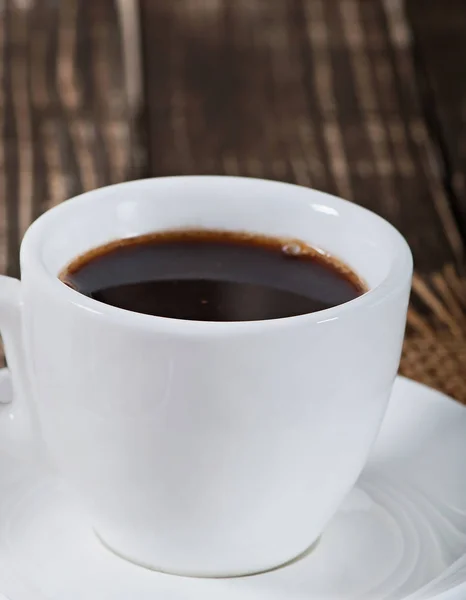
(212, 276)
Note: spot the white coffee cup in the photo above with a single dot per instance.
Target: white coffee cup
(207, 448)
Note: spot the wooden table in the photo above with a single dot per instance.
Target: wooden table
(362, 98)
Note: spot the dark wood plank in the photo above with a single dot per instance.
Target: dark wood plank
(439, 35)
(65, 122)
(315, 92)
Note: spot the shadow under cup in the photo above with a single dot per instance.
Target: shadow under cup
(210, 448)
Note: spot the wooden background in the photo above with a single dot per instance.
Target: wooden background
(362, 98)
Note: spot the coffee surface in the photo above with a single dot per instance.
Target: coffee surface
(212, 276)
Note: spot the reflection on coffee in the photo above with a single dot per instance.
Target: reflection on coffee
(213, 276)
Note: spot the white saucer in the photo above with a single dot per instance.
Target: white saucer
(400, 534)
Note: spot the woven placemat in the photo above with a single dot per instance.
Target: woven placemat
(436, 361)
(434, 351)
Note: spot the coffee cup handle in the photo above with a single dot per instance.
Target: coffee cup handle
(13, 342)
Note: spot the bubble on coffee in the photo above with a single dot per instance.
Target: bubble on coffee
(292, 249)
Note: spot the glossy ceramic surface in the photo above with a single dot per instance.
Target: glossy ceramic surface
(401, 533)
(206, 448)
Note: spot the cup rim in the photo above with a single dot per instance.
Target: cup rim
(398, 276)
